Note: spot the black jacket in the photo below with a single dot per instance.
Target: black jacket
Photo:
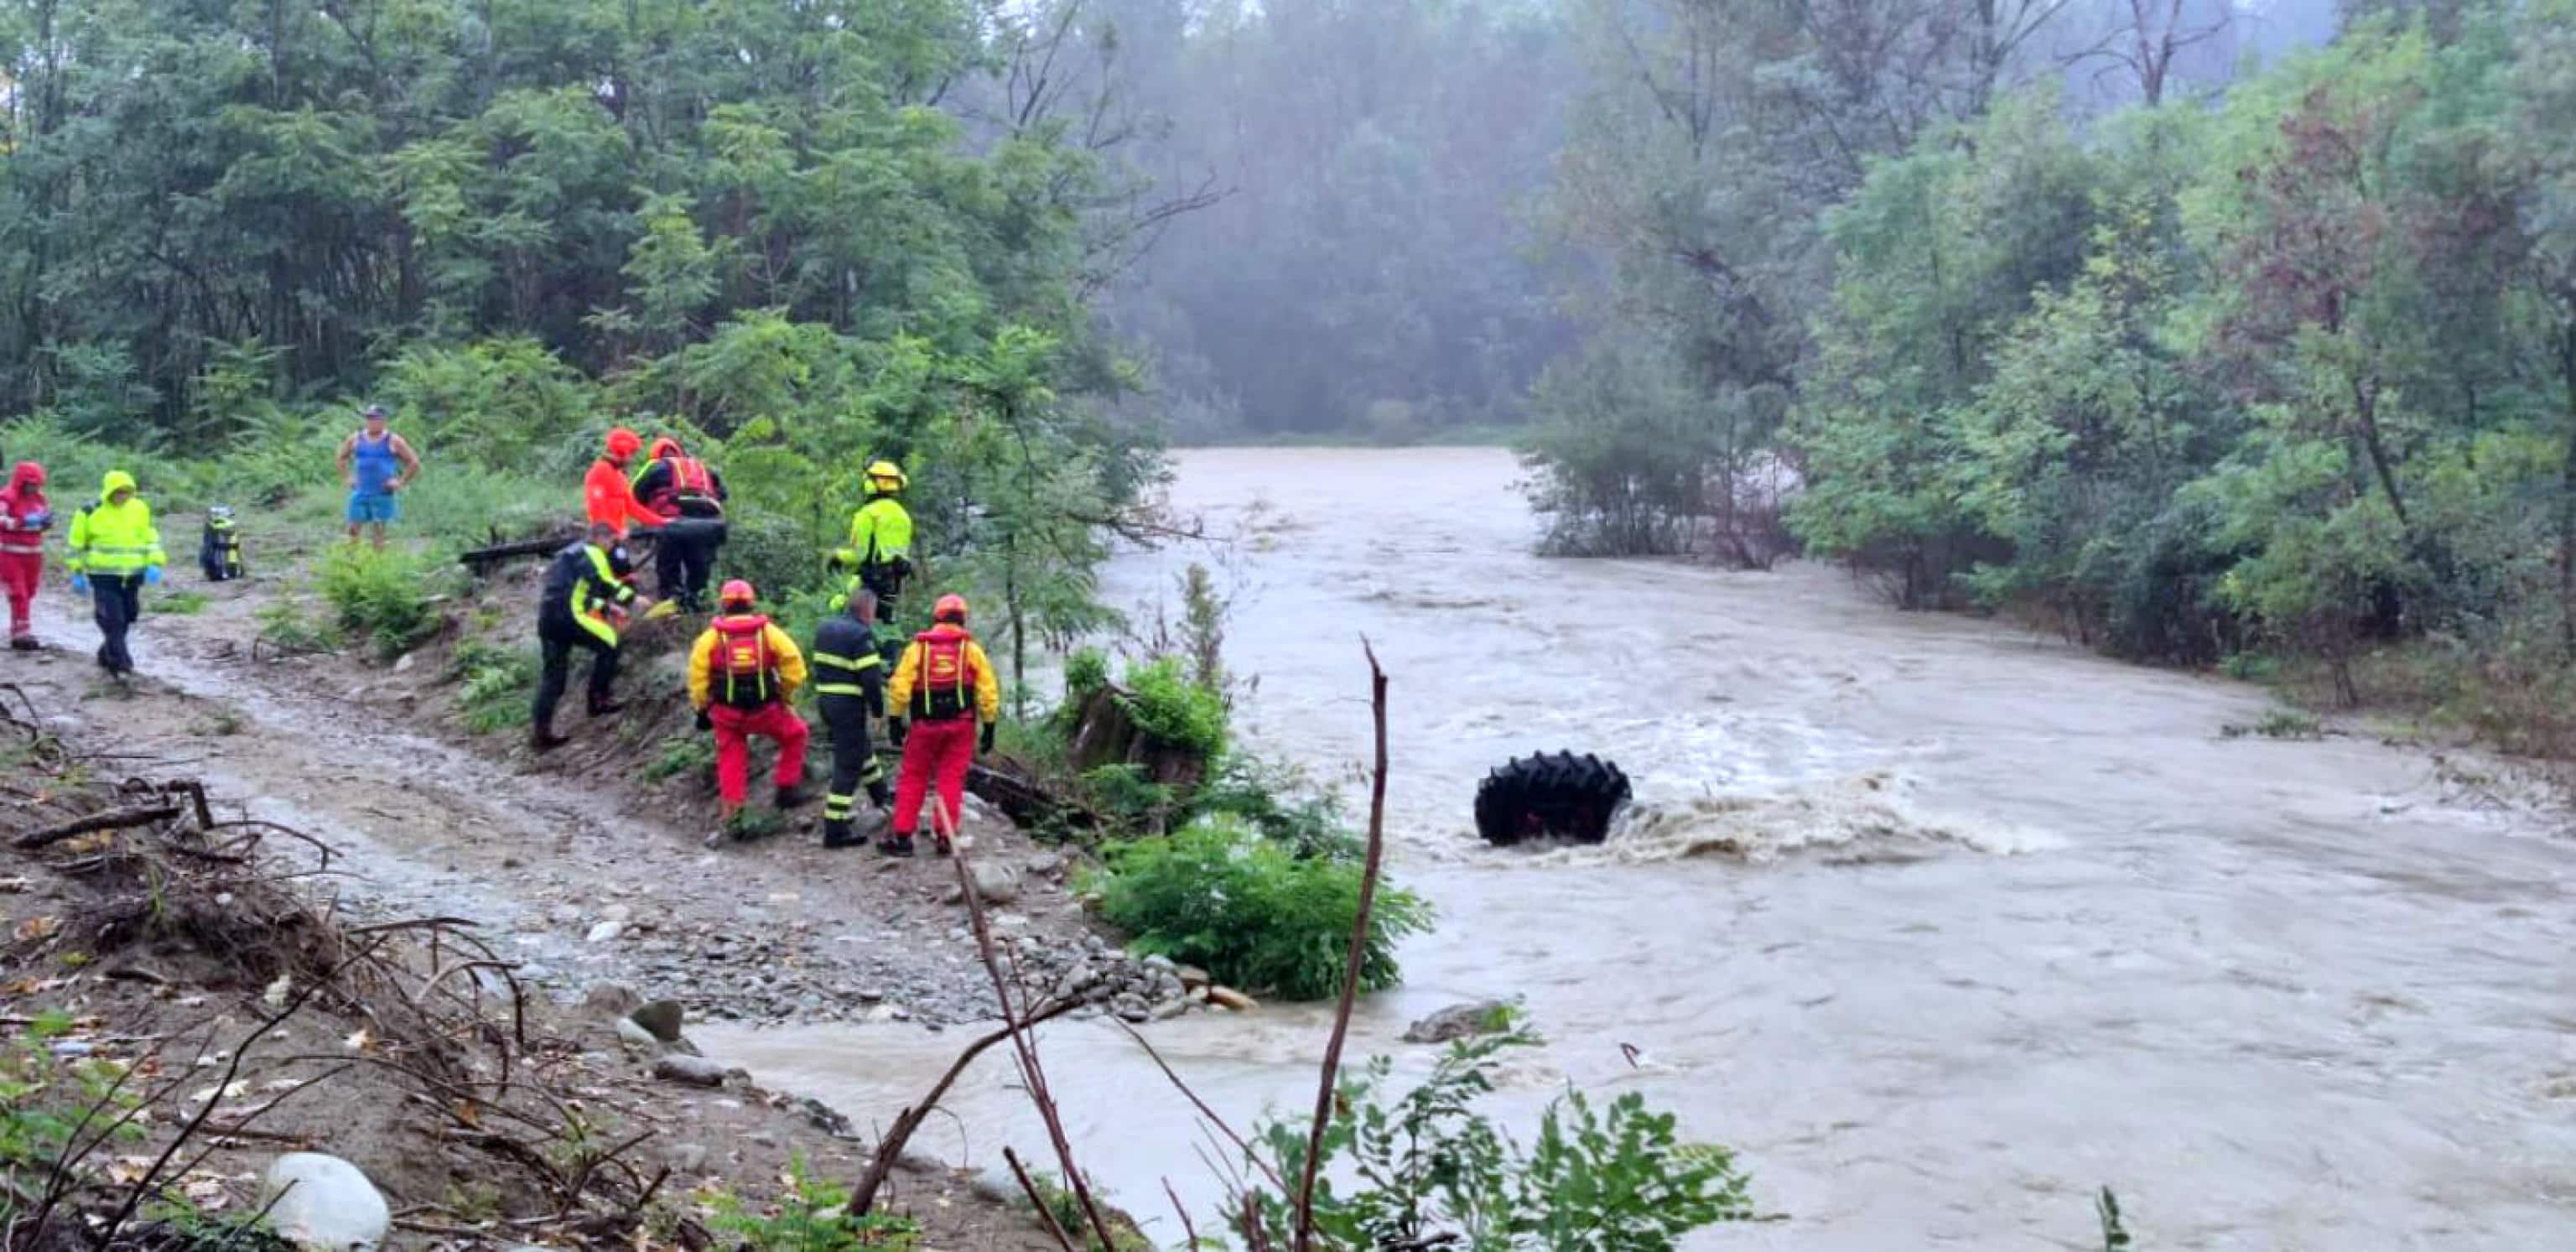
(845, 662)
(583, 576)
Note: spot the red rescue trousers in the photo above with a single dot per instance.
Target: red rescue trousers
(938, 751)
(21, 572)
(734, 728)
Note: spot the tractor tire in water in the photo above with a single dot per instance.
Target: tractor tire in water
(1550, 796)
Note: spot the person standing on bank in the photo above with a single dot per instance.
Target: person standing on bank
(849, 678)
(586, 596)
(743, 671)
(946, 685)
(114, 552)
(690, 496)
(375, 463)
(25, 516)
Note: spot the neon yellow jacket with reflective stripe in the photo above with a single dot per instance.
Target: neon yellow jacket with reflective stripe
(115, 538)
(879, 532)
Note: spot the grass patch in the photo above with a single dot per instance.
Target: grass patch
(1217, 895)
(182, 603)
(814, 1216)
(2277, 724)
(689, 755)
(289, 627)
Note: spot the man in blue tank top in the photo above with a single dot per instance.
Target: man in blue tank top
(376, 463)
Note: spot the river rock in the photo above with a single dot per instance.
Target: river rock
(323, 1202)
(662, 1017)
(1192, 976)
(686, 1158)
(695, 1070)
(637, 1041)
(1229, 998)
(605, 931)
(998, 884)
(1169, 1009)
(609, 1000)
(1460, 1021)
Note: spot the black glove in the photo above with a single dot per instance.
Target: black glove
(894, 731)
(984, 744)
(706, 720)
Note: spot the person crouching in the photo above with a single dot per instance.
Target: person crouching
(946, 684)
(741, 672)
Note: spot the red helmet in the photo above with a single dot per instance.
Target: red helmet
(951, 608)
(623, 442)
(663, 446)
(735, 591)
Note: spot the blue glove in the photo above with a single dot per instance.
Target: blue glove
(151, 574)
(80, 584)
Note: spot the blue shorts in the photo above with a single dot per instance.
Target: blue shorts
(375, 507)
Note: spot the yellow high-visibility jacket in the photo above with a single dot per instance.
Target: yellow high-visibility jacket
(784, 660)
(115, 538)
(904, 696)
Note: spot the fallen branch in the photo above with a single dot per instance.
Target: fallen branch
(1325, 1086)
(112, 819)
(1029, 1187)
(890, 1146)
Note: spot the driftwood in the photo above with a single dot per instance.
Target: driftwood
(112, 819)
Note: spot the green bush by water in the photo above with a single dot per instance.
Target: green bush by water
(1251, 912)
(1164, 703)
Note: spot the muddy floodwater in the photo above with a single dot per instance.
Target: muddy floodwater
(1942, 926)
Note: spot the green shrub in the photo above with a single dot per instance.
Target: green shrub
(1127, 797)
(384, 597)
(1086, 671)
(1429, 1169)
(1066, 1208)
(1165, 704)
(44, 1101)
(498, 685)
(1279, 801)
(1252, 913)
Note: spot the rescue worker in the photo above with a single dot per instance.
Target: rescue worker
(375, 463)
(849, 677)
(586, 598)
(689, 496)
(945, 685)
(880, 551)
(114, 552)
(742, 671)
(25, 516)
(608, 496)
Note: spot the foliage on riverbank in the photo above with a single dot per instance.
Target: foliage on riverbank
(2287, 366)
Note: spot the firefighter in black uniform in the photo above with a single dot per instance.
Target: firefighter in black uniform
(587, 597)
(850, 679)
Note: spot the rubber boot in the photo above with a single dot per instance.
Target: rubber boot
(837, 833)
(24, 643)
(793, 797)
(895, 845)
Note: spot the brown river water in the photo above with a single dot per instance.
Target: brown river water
(1941, 925)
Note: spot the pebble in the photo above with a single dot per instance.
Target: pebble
(604, 931)
(321, 1201)
(662, 1018)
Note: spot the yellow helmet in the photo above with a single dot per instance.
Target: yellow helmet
(883, 477)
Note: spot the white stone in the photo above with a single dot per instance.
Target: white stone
(323, 1202)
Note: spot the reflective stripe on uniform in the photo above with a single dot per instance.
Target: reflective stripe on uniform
(840, 689)
(826, 658)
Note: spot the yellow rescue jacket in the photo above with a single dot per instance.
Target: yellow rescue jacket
(115, 538)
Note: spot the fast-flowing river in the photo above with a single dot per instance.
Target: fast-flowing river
(1940, 925)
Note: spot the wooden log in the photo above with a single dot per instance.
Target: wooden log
(112, 819)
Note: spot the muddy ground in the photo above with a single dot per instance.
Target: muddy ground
(591, 873)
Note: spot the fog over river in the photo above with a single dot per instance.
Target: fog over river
(1939, 924)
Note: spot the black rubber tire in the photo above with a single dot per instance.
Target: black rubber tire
(1550, 795)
